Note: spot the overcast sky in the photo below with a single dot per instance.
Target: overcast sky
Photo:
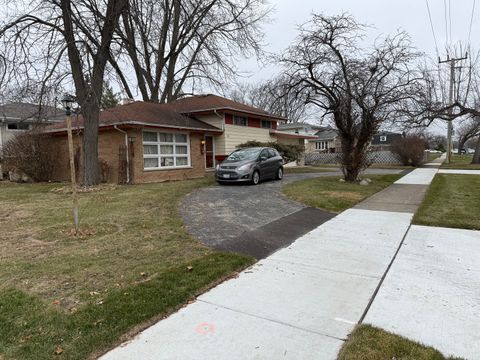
(385, 16)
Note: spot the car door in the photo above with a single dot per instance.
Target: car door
(274, 162)
(264, 164)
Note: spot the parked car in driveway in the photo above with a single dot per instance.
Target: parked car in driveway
(250, 165)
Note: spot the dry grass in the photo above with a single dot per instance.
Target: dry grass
(133, 261)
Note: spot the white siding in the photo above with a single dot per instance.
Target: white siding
(235, 135)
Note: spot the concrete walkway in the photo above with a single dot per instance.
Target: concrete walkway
(432, 292)
(299, 303)
(459, 171)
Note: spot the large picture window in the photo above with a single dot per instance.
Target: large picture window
(163, 150)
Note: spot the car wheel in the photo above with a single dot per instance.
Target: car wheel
(255, 177)
(279, 174)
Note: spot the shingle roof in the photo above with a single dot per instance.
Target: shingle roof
(326, 134)
(142, 113)
(209, 102)
(26, 111)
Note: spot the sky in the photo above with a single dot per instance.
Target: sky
(383, 16)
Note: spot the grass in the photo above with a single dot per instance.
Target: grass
(451, 201)
(370, 343)
(310, 169)
(133, 264)
(328, 193)
(461, 162)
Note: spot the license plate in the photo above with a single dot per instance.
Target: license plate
(226, 176)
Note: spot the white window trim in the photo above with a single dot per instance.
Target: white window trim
(383, 138)
(321, 145)
(174, 155)
(238, 116)
(17, 130)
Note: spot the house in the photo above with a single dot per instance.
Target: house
(18, 117)
(326, 141)
(382, 141)
(145, 142)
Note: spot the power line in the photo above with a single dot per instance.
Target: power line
(471, 22)
(433, 29)
(446, 21)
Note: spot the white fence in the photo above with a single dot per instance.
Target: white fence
(375, 157)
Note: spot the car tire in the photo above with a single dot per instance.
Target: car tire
(255, 177)
(279, 175)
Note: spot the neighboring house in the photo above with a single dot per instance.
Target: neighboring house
(382, 141)
(18, 117)
(175, 141)
(326, 141)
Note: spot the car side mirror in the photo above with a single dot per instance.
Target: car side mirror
(263, 158)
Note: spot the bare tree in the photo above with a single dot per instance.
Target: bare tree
(66, 40)
(172, 44)
(357, 89)
(467, 130)
(273, 96)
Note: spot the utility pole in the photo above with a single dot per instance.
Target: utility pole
(452, 62)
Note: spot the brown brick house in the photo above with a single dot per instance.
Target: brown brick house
(145, 142)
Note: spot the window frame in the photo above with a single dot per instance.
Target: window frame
(17, 123)
(159, 155)
(321, 142)
(237, 117)
(270, 125)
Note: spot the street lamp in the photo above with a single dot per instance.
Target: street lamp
(67, 102)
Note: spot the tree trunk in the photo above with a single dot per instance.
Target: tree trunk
(351, 165)
(91, 113)
(461, 144)
(476, 156)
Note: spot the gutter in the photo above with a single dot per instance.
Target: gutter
(127, 152)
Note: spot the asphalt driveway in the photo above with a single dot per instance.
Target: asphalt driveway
(255, 220)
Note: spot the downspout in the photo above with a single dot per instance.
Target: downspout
(128, 155)
(221, 117)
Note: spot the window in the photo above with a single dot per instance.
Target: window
(240, 121)
(266, 124)
(18, 126)
(383, 138)
(321, 145)
(271, 153)
(165, 150)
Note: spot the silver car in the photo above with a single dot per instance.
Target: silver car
(250, 165)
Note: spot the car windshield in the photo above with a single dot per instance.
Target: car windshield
(244, 154)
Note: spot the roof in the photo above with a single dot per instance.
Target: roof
(20, 111)
(143, 114)
(290, 135)
(211, 103)
(326, 134)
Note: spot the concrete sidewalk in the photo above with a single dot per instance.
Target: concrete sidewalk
(432, 292)
(299, 303)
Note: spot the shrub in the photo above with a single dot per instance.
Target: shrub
(288, 152)
(410, 149)
(29, 153)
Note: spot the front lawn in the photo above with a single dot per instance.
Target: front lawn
(461, 162)
(328, 193)
(132, 264)
(309, 169)
(370, 343)
(451, 201)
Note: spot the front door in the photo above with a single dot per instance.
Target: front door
(209, 152)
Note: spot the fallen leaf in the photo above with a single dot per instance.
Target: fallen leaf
(56, 302)
(58, 350)
(189, 268)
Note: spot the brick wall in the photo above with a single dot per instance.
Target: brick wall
(108, 150)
